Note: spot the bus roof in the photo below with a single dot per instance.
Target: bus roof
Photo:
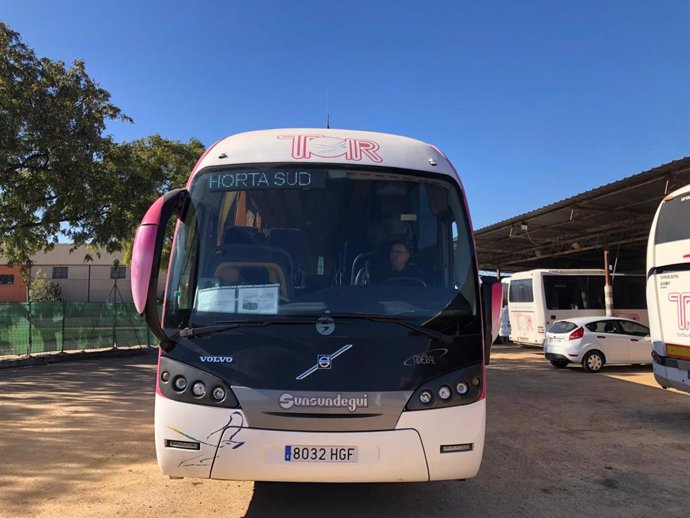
(332, 146)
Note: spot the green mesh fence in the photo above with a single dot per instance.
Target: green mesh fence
(41, 327)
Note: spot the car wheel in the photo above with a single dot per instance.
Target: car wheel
(593, 361)
(559, 364)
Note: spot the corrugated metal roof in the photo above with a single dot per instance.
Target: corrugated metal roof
(573, 233)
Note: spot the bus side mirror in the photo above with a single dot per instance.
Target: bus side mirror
(146, 258)
(492, 304)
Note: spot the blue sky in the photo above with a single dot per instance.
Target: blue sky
(533, 101)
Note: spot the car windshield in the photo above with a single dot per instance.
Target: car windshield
(562, 326)
(271, 240)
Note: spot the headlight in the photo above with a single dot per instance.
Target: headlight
(198, 389)
(426, 397)
(462, 387)
(180, 383)
(444, 392)
(218, 394)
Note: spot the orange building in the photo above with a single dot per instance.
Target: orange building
(12, 287)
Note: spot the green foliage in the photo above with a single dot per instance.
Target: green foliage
(143, 170)
(51, 144)
(43, 290)
(59, 174)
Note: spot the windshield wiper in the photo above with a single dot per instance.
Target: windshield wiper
(373, 317)
(222, 325)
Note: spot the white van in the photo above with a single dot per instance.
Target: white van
(538, 298)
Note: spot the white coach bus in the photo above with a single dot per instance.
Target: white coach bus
(320, 323)
(537, 298)
(668, 290)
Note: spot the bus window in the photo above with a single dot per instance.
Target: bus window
(521, 291)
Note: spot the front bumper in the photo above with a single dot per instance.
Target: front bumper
(232, 450)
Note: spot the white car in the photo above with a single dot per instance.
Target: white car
(597, 341)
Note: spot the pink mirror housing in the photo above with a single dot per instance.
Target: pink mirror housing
(146, 257)
(142, 264)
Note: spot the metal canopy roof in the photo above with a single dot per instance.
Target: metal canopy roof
(573, 233)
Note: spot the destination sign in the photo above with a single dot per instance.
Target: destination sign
(244, 180)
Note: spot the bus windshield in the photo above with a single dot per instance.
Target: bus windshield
(283, 240)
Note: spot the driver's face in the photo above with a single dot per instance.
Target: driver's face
(399, 256)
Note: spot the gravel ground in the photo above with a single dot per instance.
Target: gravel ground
(77, 441)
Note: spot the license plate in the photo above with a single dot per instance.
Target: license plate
(347, 454)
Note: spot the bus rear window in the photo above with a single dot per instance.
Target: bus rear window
(521, 291)
(672, 224)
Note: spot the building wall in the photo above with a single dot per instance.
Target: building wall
(88, 273)
(88, 283)
(15, 292)
(88, 276)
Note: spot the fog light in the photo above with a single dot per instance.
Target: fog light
(444, 392)
(165, 376)
(180, 383)
(198, 389)
(426, 397)
(462, 387)
(476, 381)
(218, 394)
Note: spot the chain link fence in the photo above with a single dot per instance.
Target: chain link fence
(44, 327)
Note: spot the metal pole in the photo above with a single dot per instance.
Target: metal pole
(30, 341)
(114, 312)
(64, 311)
(608, 289)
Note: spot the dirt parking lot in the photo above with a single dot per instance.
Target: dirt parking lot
(77, 441)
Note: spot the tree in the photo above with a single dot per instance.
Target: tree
(142, 171)
(43, 290)
(59, 174)
(51, 145)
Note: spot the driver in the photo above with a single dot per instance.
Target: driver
(399, 264)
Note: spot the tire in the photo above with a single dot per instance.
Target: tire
(560, 364)
(593, 361)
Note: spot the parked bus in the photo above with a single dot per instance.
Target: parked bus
(537, 298)
(320, 323)
(668, 290)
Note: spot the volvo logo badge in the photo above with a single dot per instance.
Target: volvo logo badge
(323, 361)
(325, 325)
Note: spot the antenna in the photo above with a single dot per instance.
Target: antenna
(328, 112)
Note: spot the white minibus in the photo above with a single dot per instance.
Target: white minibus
(538, 298)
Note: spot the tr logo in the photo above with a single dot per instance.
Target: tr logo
(307, 146)
(681, 300)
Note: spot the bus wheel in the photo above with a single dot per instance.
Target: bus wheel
(559, 364)
(593, 361)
